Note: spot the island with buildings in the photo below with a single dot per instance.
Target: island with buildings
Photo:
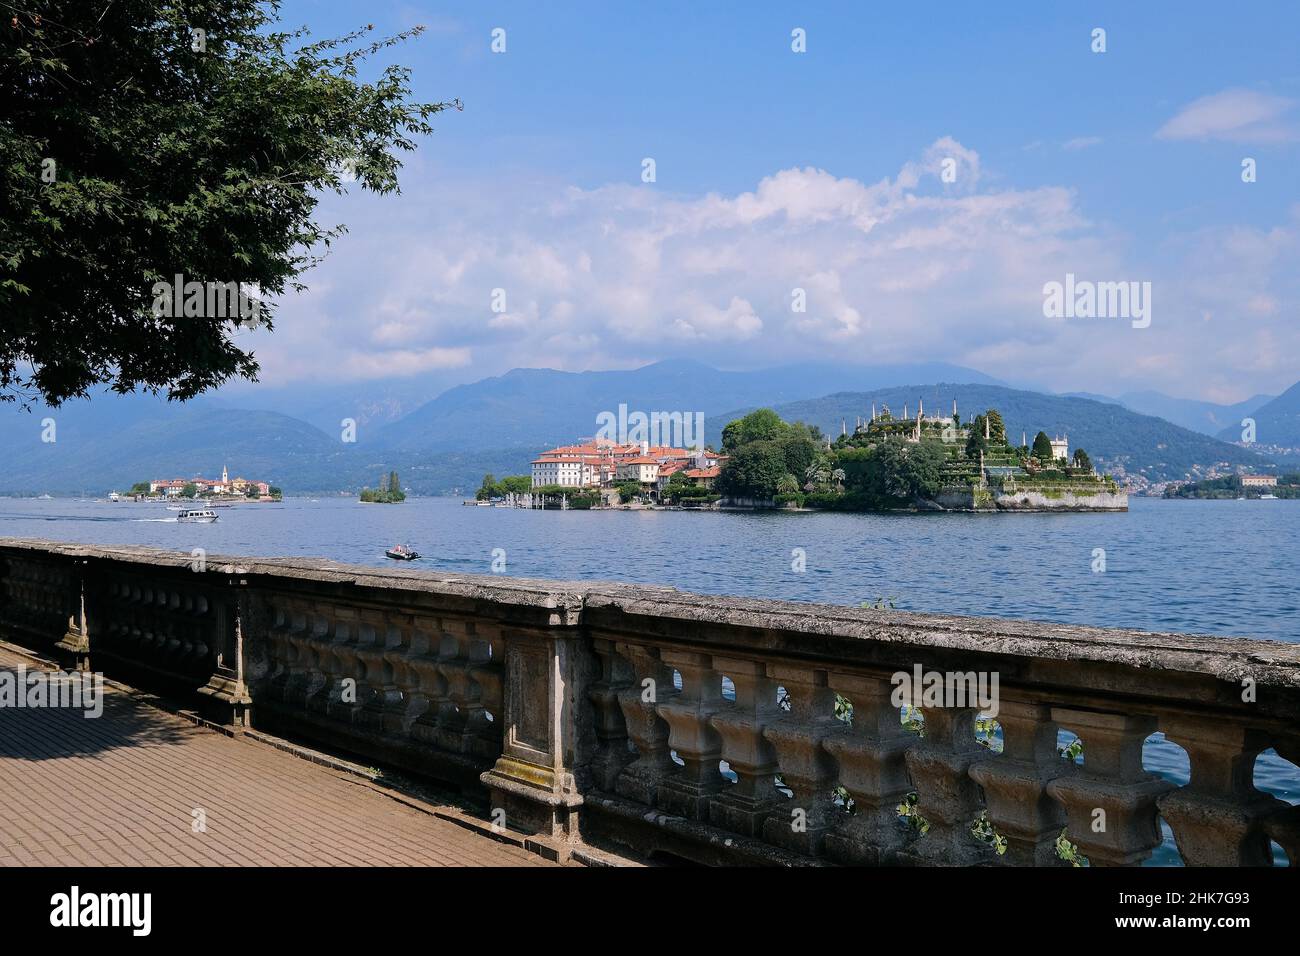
(225, 487)
(886, 463)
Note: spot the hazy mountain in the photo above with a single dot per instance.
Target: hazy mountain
(539, 407)
(1277, 422)
(499, 425)
(1207, 418)
(1113, 435)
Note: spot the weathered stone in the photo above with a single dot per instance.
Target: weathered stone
(1110, 803)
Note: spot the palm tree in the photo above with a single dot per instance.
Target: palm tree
(838, 476)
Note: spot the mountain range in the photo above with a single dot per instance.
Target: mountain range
(295, 437)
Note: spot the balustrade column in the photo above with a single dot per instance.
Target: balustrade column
(744, 806)
(948, 798)
(1218, 818)
(806, 768)
(421, 666)
(873, 769)
(1110, 802)
(687, 792)
(648, 731)
(613, 749)
(433, 685)
(1015, 783)
(338, 662)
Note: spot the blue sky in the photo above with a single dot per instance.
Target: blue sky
(778, 170)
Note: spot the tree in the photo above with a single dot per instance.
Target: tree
(139, 488)
(1081, 459)
(760, 425)
(190, 490)
(1043, 447)
(516, 484)
(997, 428)
(753, 471)
(488, 489)
(899, 472)
(144, 140)
(975, 442)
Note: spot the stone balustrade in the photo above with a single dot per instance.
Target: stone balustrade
(716, 729)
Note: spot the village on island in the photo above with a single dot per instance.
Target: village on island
(911, 462)
(224, 488)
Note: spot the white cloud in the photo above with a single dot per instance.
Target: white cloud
(1236, 115)
(904, 268)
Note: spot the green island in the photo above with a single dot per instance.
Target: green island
(1238, 486)
(907, 464)
(389, 491)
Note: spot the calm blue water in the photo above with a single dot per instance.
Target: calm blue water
(1220, 567)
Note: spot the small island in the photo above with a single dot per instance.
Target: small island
(389, 491)
(908, 463)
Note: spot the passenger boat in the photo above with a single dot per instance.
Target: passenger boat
(400, 552)
(197, 516)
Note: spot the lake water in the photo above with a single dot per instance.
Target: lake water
(1219, 567)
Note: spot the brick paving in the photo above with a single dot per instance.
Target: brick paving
(121, 790)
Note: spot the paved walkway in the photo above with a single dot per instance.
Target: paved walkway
(122, 790)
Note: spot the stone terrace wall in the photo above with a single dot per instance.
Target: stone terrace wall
(710, 728)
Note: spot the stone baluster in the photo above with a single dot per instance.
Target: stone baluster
(1218, 818)
(743, 807)
(1015, 783)
(453, 665)
(345, 693)
(873, 769)
(806, 768)
(421, 670)
(613, 749)
(688, 791)
(653, 684)
(939, 764)
(397, 665)
(428, 700)
(480, 737)
(1110, 802)
(487, 672)
(297, 634)
(313, 646)
(276, 648)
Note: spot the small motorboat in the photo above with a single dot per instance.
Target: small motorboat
(400, 552)
(197, 516)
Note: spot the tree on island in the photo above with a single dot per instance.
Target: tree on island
(1081, 459)
(191, 490)
(1043, 447)
(153, 139)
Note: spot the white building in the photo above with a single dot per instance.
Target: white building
(569, 471)
(1060, 447)
(643, 469)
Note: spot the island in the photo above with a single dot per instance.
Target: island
(908, 463)
(887, 463)
(389, 491)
